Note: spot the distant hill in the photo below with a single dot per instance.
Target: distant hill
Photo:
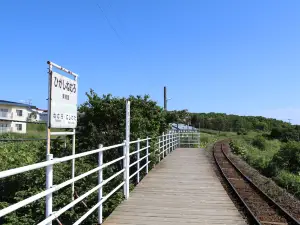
(225, 122)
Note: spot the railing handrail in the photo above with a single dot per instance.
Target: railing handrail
(167, 142)
(23, 169)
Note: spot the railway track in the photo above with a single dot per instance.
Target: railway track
(260, 207)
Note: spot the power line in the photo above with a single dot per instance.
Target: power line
(110, 24)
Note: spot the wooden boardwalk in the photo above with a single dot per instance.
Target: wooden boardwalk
(182, 189)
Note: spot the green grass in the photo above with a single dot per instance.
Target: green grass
(262, 159)
(215, 132)
(33, 131)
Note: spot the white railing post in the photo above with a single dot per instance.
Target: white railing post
(147, 154)
(179, 140)
(49, 184)
(199, 140)
(168, 140)
(73, 162)
(163, 145)
(100, 180)
(125, 170)
(138, 158)
(159, 139)
(173, 142)
(127, 144)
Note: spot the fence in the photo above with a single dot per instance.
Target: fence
(163, 145)
(188, 139)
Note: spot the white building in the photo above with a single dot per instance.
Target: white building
(14, 115)
(37, 115)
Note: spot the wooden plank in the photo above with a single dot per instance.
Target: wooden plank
(182, 189)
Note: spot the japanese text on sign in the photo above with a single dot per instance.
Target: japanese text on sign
(63, 102)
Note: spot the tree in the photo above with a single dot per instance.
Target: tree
(101, 120)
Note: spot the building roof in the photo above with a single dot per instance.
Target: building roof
(4, 102)
(181, 126)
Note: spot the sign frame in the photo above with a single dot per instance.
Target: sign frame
(63, 101)
(49, 169)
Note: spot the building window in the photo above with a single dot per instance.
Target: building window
(4, 112)
(19, 127)
(19, 112)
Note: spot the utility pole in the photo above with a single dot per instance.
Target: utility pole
(165, 98)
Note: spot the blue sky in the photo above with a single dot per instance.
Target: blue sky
(230, 56)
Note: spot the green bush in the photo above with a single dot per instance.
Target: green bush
(103, 122)
(242, 131)
(281, 163)
(288, 157)
(289, 181)
(204, 139)
(259, 142)
(237, 147)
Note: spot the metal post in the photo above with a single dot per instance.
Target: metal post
(199, 136)
(49, 169)
(147, 158)
(168, 143)
(127, 146)
(159, 139)
(166, 140)
(138, 158)
(125, 169)
(173, 142)
(170, 137)
(49, 184)
(49, 109)
(163, 146)
(73, 164)
(179, 140)
(100, 180)
(165, 98)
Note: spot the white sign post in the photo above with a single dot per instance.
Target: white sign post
(62, 113)
(63, 102)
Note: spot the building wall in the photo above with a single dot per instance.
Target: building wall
(17, 113)
(15, 126)
(6, 112)
(5, 126)
(41, 116)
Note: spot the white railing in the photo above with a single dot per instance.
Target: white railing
(189, 139)
(164, 145)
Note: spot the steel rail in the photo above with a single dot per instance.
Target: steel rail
(286, 214)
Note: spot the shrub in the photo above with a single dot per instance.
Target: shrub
(288, 157)
(237, 147)
(289, 181)
(242, 131)
(259, 142)
(204, 139)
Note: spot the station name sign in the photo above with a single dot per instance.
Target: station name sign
(64, 93)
